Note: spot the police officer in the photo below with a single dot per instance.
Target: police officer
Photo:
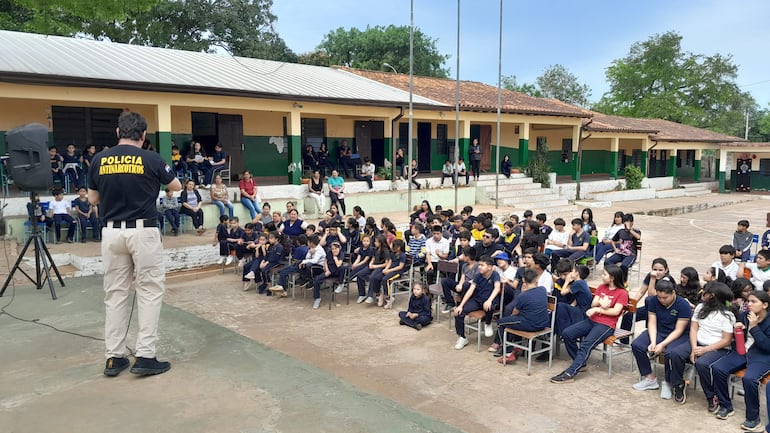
(124, 180)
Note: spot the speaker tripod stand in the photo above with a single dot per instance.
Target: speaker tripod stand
(43, 263)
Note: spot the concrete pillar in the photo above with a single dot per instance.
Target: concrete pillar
(294, 145)
(672, 162)
(722, 169)
(696, 166)
(164, 131)
(575, 155)
(614, 146)
(465, 141)
(524, 144)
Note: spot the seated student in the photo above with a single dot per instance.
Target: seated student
(509, 239)
(764, 241)
(57, 166)
(453, 288)
(275, 253)
(246, 244)
(71, 165)
(234, 235)
(760, 271)
(298, 254)
(607, 305)
(711, 332)
(391, 272)
(352, 234)
(35, 210)
(604, 246)
(87, 214)
(479, 227)
(658, 272)
(461, 170)
(726, 262)
(315, 255)
(215, 163)
(689, 286)
(436, 248)
(179, 165)
(59, 210)
(756, 361)
(624, 245)
(360, 267)
(464, 239)
(509, 283)
(448, 170)
(668, 317)
(250, 269)
(530, 313)
(539, 263)
(417, 243)
(577, 246)
(333, 266)
(275, 223)
(480, 296)
(220, 237)
(169, 205)
(333, 234)
(380, 260)
(530, 238)
(367, 173)
(488, 245)
(742, 241)
(419, 312)
(558, 238)
(572, 293)
(543, 228)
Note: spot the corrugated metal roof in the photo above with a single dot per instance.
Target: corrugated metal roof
(31, 57)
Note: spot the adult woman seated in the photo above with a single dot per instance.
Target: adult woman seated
(220, 197)
(249, 193)
(192, 204)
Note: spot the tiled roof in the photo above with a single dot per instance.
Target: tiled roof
(41, 59)
(746, 144)
(658, 129)
(474, 96)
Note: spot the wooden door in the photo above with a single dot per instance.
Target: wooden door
(230, 134)
(485, 139)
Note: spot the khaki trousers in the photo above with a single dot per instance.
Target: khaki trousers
(133, 259)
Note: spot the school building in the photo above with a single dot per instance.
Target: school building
(266, 112)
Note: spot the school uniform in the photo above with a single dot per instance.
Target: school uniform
(170, 207)
(422, 307)
(626, 255)
(84, 206)
(577, 240)
(60, 209)
(379, 258)
(448, 284)
(222, 235)
(233, 246)
(532, 306)
(335, 271)
(275, 253)
(359, 272)
(297, 255)
(591, 331)
(758, 276)
(484, 288)
(380, 275)
(566, 313)
(666, 320)
(710, 330)
(240, 249)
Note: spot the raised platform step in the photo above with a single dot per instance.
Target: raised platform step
(697, 192)
(534, 204)
(523, 187)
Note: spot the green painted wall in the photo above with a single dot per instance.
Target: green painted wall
(334, 143)
(181, 140)
(437, 155)
(758, 181)
(464, 145)
(263, 159)
(721, 180)
(614, 165)
(557, 166)
(671, 169)
(295, 154)
(3, 146)
(596, 161)
(696, 171)
(164, 145)
(645, 159)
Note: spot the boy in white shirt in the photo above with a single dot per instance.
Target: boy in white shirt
(436, 248)
(726, 262)
(60, 211)
(760, 271)
(448, 170)
(558, 238)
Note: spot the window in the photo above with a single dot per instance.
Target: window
(442, 144)
(764, 167)
(313, 132)
(84, 126)
(542, 144)
(566, 150)
(636, 157)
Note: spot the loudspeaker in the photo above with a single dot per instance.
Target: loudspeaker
(29, 163)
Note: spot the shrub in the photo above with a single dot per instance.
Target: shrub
(633, 177)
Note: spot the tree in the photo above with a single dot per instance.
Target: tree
(657, 79)
(371, 48)
(559, 83)
(509, 82)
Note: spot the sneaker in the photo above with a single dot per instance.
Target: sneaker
(360, 299)
(247, 285)
(114, 366)
(507, 359)
(665, 391)
(339, 288)
(380, 300)
(228, 260)
(401, 322)
(461, 342)
(149, 366)
(489, 330)
(563, 377)
(724, 413)
(646, 384)
(276, 289)
(369, 300)
(418, 326)
(752, 425)
(249, 276)
(583, 368)
(70, 240)
(713, 404)
(316, 303)
(543, 357)
(493, 348)
(240, 263)
(448, 308)
(680, 394)
(388, 303)
(221, 260)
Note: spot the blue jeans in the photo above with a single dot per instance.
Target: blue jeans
(96, 229)
(712, 382)
(674, 356)
(591, 334)
(221, 207)
(251, 205)
(625, 262)
(283, 276)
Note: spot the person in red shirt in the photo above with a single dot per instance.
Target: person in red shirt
(249, 194)
(609, 300)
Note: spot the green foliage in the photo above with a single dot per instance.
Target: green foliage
(657, 79)
(538, 166)
(371, 48)
(559, 83)
(509, 82)
(384, 173)
(633, 177)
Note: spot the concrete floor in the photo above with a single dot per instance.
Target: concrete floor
(247, 363)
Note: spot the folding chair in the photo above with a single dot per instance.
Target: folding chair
(545, 337)
(637, 266)
(591, 260)
(754, 248)
(612, 345)
(224, 173)
(444, 267)
(403, 284)
(739, 375)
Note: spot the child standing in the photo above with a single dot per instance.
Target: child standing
(60, 211)
(170, 207)
(87, 214)
(742, 240)
(221, 238)
(418, 314)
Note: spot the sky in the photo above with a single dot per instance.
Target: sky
(584, 36)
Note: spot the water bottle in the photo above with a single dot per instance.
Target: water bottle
(740, 341)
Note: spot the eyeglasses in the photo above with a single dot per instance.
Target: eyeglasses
(488, 236)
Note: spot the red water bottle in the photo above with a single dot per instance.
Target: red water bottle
(740, 341)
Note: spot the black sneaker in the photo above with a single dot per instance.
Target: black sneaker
(562, 377)
(543, 357)
(724, 413)
(401, 322)
(752, 425)
(499, 352)
(680, 395)
(114, 366)
(418, 326)
(713, 404)
(149, 366)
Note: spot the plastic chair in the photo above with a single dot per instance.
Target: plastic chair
(545, 337)
(754, 247)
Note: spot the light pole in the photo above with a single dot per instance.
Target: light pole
(388, 65)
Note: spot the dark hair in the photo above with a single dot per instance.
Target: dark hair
(131, 125)
(692, 276)
(310, 227)
(628, 217)
(509, 224)
(583, 270)
(398, 244)
(718, 302)
(719, 274)
(353, 223)
(248, 226)
(763, 297)
(427, 203)
(530, 276)
(223, 218)
(541, 260)
(470, 253)
(618, 214)
(564, 265)
(382, 240)
(559, 222)
(436, 228)
(577, 221)
(302, 240)
(616, 274)
(359, 210)
(420, 228)
(664, 286)
(744, 223)
(492, 231)
(464, 235)
(590, 215)
(527, 213)
(738, 285)
(541, 217)
(727, 249)
(468, 209)
(314, 239)
(486, 258)
(660, 261)
(764, 253)
(531, 251)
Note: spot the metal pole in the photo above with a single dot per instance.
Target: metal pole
(411, 94)
(457, 108)
(499, 104)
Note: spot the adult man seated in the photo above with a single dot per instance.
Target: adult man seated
(344, 156)
(215, 163)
